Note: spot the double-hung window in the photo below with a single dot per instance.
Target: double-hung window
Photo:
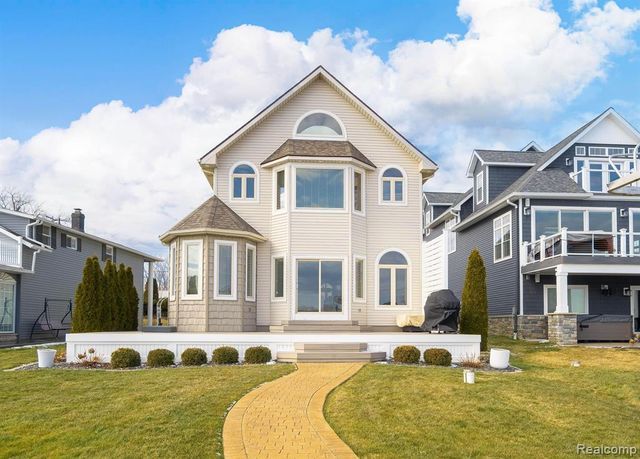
(250, 275)
(71, 242)
(359, 279)
(502, 237)
(46, 235)
(358, 191)
(278, 278)
(578, 299)
(280, 189)
(226, 266)
(451, 235)
(319, 188)
(172, 271)
(192, 269)
(480, 187)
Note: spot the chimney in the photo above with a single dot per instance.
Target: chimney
(77, 220)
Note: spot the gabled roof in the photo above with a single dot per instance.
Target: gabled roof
(81, 234)
(532, 146)
(509, 158)
(576, 135)
(318, 149)
(320, 72)
(441, 198)
(213, 217)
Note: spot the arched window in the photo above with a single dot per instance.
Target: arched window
(393, 279)
(392, 188)
(319, 125)
(243, 182)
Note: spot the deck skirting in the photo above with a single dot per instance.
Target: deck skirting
(104, 343)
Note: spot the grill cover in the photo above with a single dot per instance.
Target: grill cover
(441, 311)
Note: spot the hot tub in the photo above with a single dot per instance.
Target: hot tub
(604, 327)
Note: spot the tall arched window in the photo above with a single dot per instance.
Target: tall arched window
(243, 182)
(393, 279)
(319, 125)
(392, 186)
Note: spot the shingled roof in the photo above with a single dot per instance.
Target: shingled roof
(442, 197)
(212, 216)
(509, 156)
(318, 149)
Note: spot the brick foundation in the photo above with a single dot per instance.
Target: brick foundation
(563, 329)
(533, 327)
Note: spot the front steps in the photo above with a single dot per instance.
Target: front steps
(330, 352)
(316, 326)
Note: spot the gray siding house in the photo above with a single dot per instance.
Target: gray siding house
(43, 259)
(561, 250)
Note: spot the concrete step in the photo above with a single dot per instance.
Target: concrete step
(342, 347)
(320, 326)
(319, 322)
(329, 356)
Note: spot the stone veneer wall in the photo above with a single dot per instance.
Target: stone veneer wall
(501, 325)
(529, 326)
(533, 327)
(563, 328)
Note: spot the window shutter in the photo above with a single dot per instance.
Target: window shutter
(114, 254)
(104, 252)
(38, 233)
(54, 237)
(79, 245)
(63, 240)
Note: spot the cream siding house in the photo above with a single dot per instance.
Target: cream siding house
(316, 216)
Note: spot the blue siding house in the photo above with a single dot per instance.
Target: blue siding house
(561, 246)
(43, 259)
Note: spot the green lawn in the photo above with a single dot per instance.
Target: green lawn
(150, 413)
(396, 411)
(11, 358)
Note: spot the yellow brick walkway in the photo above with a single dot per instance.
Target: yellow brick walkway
(283, 418)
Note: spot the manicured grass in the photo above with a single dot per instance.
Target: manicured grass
(149, 413)
(400, 411)
(11, 358)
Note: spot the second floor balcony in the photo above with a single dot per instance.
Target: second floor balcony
(596, 245)
(10, 252)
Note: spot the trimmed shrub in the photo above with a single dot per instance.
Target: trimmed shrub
(160, 358)
(474, 316)
(436, 356)
(406, 354)
(125, 357)
(225, 355)
(194, 356)
(257, 354)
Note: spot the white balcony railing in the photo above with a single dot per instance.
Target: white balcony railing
(10, 252)
(579, 243)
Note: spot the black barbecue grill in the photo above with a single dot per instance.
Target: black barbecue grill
(441, 312)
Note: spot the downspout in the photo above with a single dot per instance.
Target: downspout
(514, 309)
(26, 231)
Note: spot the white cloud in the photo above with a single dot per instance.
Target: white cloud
(135, 172)
(579, 5)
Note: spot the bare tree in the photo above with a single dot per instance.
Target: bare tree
(160, 273)
(19, 201)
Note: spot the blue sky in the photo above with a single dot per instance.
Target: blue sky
(107, 105)
(59, 59)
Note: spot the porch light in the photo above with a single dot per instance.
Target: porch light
(568, 161)
(526, 211)
(626, 291)
(624, 213)
(604, 289)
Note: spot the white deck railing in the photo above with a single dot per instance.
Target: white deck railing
(10, 252)
(581, 243)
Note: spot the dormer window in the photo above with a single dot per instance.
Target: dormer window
(319, 125)
(243, 182)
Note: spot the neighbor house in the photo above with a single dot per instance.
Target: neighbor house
(41, 262)
(560, 246)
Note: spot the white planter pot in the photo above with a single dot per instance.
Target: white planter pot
(46, 358)
(499, 358)
(469, 376)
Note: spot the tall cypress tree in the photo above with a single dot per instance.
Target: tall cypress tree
(474, 316)
(132, 301)
(80, 319)
(122, 322)
(88, 314)
(111, 296)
